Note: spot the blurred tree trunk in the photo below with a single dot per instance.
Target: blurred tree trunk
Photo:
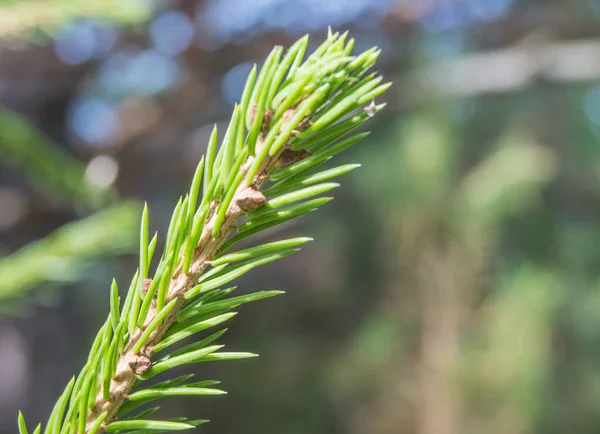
(438, 288)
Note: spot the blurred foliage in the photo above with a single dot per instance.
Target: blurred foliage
(62, 256)
(48, 167)
(507, 388)
(20, 18)
(443, 225)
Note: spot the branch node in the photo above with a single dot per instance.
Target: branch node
(146, 285)
(266, 123)
(267, 118)
(289, 157)
(140, 364)
(250, 199)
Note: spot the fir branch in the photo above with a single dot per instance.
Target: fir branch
(292, 118)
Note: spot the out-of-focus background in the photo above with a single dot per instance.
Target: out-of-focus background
(454, 285)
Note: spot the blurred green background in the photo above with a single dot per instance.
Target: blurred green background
(453, 286)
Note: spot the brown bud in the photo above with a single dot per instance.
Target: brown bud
(252, 113)
(266, 123)
(146, 285)
(140, 365)
(250, 199)
(289, 157)
(266, 120)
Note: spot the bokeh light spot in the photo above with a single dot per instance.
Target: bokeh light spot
(172, 33)
(93, 120)
(225, 20)
(83, 40)
(234, 81)
(489, 10)
(102, 171)
(445, 17)
(137, 71)
(152, 72)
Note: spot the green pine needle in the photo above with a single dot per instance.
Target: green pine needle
(188, 329)
(195, 346)
(114, 304)
(144, 243)
(297, 182)
(148, 425)
(174, 391)
(183, 359)
(217, 307)
(296, 196)
(96, 425)
(252, 252)
(155, 323)
(22, 425)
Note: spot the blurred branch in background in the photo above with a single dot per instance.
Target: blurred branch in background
(61, 257)
(33, 16)
(507, 70)
(49, 168)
